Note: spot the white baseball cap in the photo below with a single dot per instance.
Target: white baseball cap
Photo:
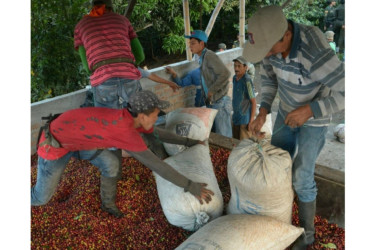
(265, 28)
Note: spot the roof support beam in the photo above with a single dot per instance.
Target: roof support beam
(241, 23)
(130, 8)
(187, 29)
(213, 17)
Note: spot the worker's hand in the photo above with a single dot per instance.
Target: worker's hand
(299, 116)
(171, 71)
(255, 127)
(200, 192)
(174, 86)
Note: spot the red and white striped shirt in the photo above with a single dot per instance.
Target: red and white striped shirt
(107, 37)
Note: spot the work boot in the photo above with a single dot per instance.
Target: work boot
(108, 193)
(307, 211)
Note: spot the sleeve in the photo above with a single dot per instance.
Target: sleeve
(250, 89)
(77, 37)
(152, 162)
(132, 34)
(144, 73)
(269, 85)
(170, 137)
(137, 50)
(330, 71)
(82, 54)
(215, 64)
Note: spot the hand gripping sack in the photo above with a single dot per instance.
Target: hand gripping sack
(194, 123)
(182, 209)
(242, 231)
(268, 125)
(260, 177)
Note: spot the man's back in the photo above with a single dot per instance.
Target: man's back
(107, 37)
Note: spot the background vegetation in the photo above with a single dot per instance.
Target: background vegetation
(56, 67)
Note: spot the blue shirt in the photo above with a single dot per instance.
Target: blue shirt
(242, 93)
(192, 78)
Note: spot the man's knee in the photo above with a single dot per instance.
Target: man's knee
(111, 165)
(38, 199)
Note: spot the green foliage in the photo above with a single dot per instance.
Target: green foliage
(55, 66)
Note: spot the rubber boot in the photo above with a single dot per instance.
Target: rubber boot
(307, 211)
(108, 193)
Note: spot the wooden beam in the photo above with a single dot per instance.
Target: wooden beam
(213, 17)
(187, 29)
(241, 23)
(130, 8)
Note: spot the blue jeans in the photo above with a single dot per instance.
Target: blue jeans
(308, 141)
(222, 122)
(115, 92)
(49, 172)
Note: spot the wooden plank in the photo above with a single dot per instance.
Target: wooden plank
(130, 8)
(187, 29)
(213, 17)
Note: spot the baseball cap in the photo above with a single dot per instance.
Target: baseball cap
(199, 34)
(265, 28)
(145, 100)
(240, 59)
(329, 34)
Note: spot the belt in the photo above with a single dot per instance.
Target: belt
(112, 60)
(49, 139)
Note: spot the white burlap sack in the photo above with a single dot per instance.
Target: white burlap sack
(339, 132)
(242, 232)
(194, 123)
(260, 177)
(182, 209)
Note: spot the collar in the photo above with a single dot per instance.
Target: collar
(296, 39)
(202, 56)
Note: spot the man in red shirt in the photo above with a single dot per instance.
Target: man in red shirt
(86, 133)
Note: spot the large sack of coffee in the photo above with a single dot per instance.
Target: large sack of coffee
(194, 123)
(182, 209)
(260, 177)
(242, 232)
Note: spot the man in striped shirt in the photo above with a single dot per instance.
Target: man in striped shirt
(299, 65)
(107, 38)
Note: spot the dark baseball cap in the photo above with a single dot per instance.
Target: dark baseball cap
(144, 101)
(241, 59)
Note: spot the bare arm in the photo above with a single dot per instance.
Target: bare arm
(168, 173)
(171, 84)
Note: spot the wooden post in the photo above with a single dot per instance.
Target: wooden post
(187, 30)
(129, 8)
(213, 17)
(241, 23)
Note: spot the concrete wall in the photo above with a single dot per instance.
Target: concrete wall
(183, 98)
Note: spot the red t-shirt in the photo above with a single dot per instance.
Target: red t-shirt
(106, 37)
(92, 128)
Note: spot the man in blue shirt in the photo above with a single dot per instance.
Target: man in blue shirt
(192, 78)
(243, 100)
